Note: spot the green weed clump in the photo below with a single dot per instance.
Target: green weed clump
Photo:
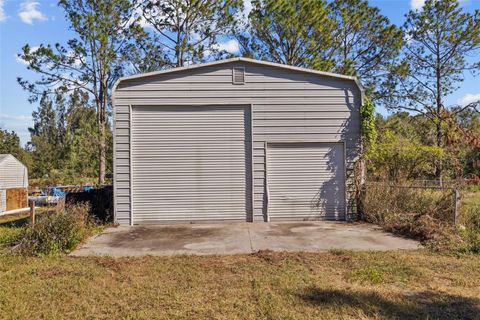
(57, 232)
(470, 230)
(9, 235)
(368, 275)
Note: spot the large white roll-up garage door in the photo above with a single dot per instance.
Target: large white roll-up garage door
(306, 181)
(189, 164)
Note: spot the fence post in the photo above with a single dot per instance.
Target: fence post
(32, 212)
(457, 205)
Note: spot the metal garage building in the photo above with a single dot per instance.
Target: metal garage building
(235, 140)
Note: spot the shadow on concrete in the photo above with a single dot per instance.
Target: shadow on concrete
(418, 305)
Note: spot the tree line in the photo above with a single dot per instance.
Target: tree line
(409, 69)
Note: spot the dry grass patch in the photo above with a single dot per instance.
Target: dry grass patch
(267, 285)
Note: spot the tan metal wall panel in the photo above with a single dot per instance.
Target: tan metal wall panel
(287, 106)
(189, 164)
(306, 181)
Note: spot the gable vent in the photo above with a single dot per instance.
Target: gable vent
(238, 75)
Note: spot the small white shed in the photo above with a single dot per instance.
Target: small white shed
(13, 180)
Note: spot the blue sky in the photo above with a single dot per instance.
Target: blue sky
(41, 21)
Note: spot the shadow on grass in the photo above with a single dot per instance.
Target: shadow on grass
(18, 220)
(421, 305)
(15, 223)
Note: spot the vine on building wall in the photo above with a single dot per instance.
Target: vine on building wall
(369, 131)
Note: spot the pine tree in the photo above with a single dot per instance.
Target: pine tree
(44, 138)
(439, 38)
(189, 30)
(365, 43)
(10, 144)
(295, 32)
(105, 36)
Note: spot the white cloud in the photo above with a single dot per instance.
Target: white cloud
(469, 98)
(77, 62)
(242, 16)
(145, 24)
(231, 46)
(418, 4)
(29, 12)
(5, 117)
(138, 14)
(17, 123)
(3, 16)
(20, 60)
(247, 7)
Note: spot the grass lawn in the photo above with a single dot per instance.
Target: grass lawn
(11, 226)
(331, 285)
(468, 199)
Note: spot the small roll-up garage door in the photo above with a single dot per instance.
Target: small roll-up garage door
(306, 181)
(189, 164)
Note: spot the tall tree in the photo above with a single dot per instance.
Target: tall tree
(99, 54)
(344, 36)
(441, 42)
(78, 158)
(10, 144)
(294, 32)
(190, 29)
(44, 139)
(365, 43)
(64, 129)
(150, 55)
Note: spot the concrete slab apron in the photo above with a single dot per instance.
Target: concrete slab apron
(234, 238)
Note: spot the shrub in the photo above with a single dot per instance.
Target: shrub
(425, 214)
(470, 232)
(396, 157)
(414, 212)
(56, 233)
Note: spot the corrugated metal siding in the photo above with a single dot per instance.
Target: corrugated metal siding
(3, 200)
(189, 164)
(286, 106)
(306, 181)
(13, 174)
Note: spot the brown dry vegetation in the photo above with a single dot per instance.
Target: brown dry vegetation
(332, 285)
(427, 214)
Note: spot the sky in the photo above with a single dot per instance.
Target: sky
(41, 21)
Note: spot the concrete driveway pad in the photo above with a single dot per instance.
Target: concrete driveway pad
(233, 238)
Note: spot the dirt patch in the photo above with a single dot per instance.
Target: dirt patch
(165, 237)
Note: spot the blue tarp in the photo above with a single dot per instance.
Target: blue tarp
(58, 193)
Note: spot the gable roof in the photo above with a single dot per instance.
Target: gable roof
(5, 156)
(259, 62)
